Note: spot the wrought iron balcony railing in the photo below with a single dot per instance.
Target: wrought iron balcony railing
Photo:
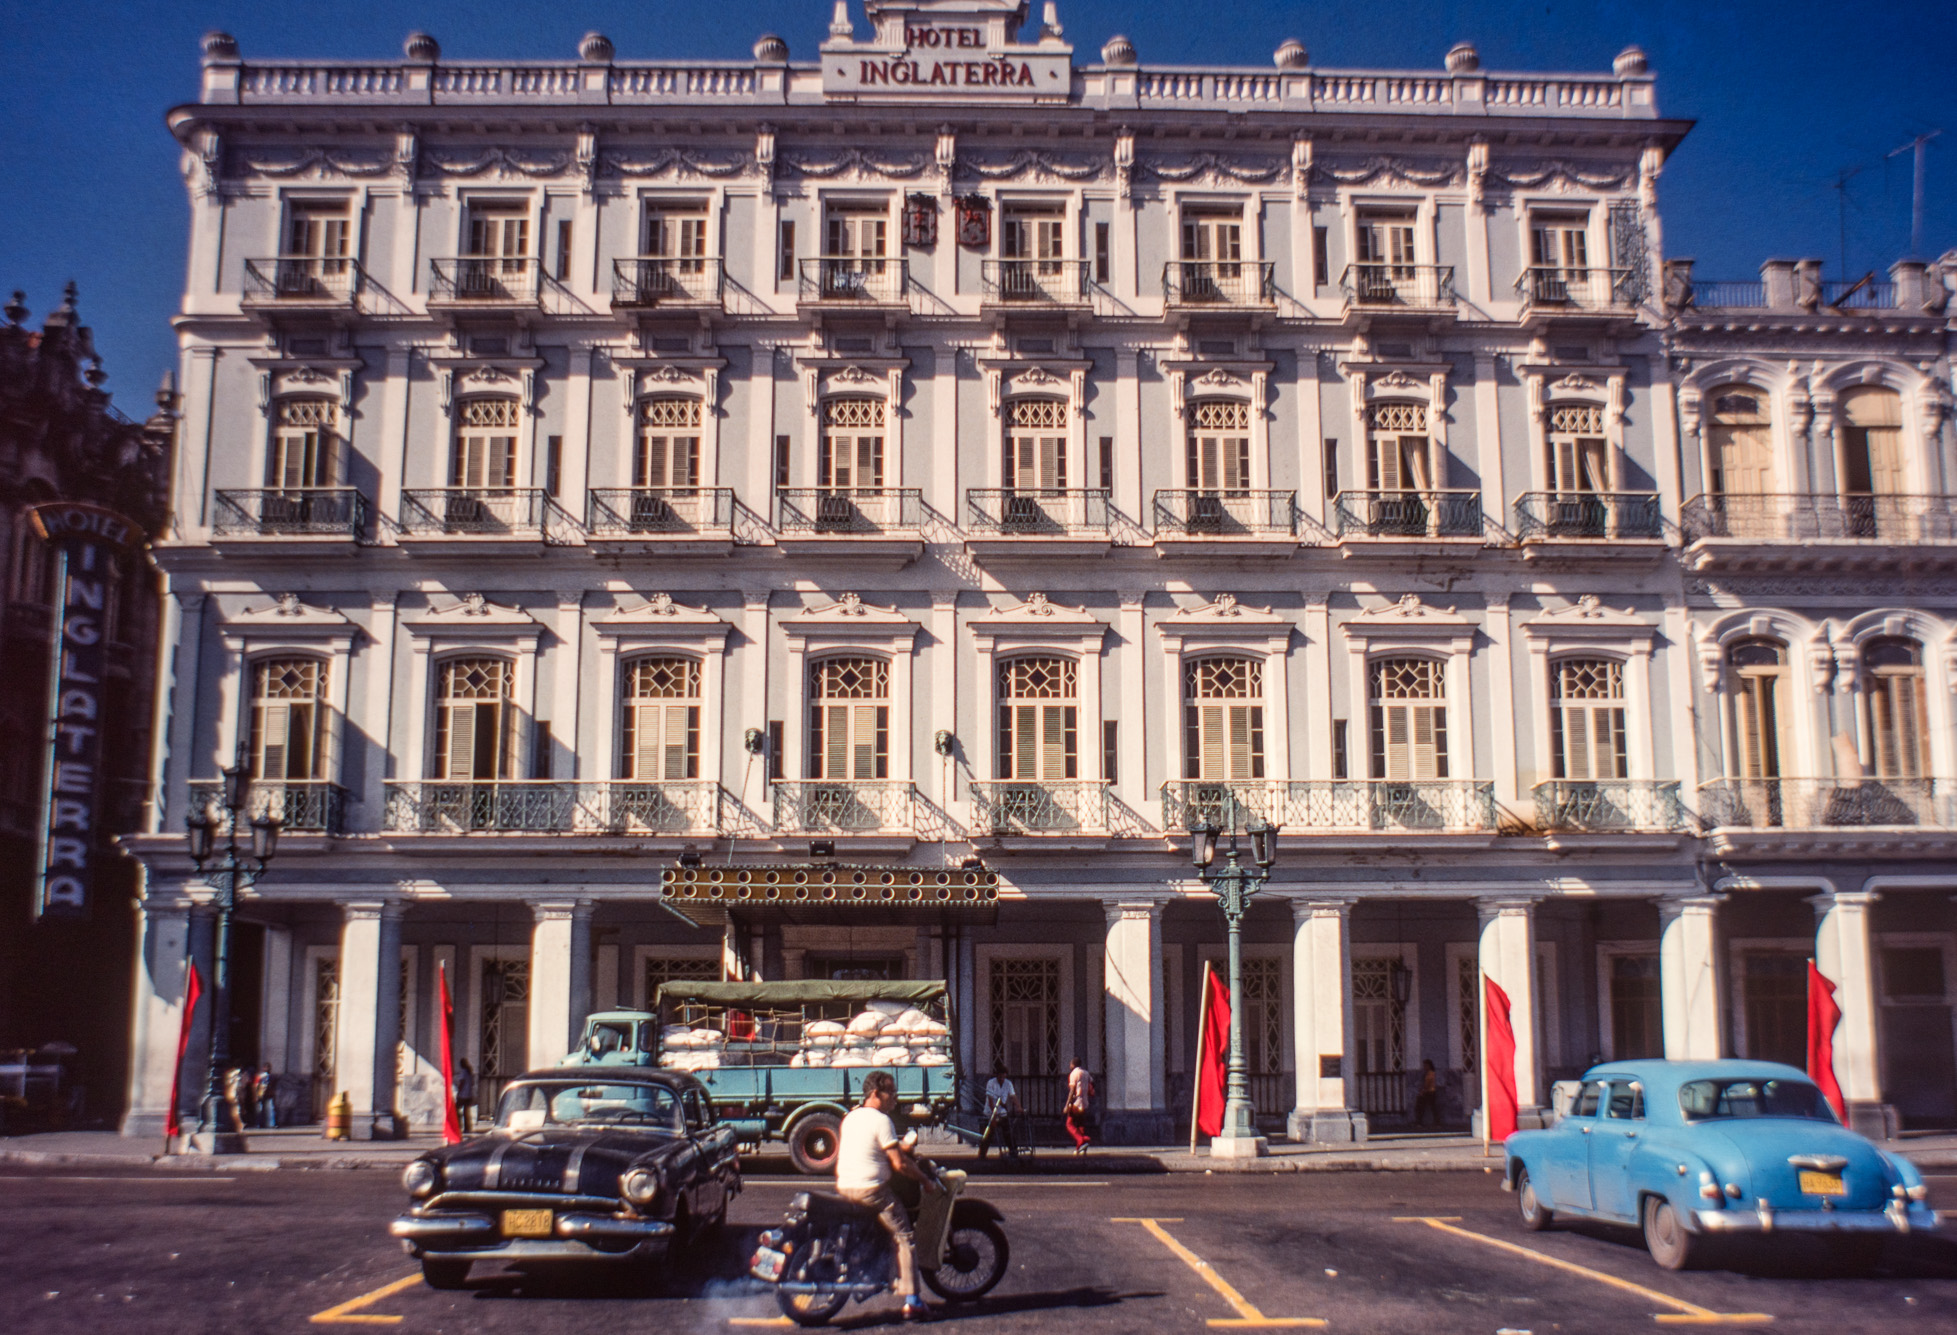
(1858, 295)
(1036, 282)
(1037, 511)
(549, 806)
(487, 279)
(849, 510)
(319, 512)
(1219, 283)
(1334, 804)
(674, 511)
(1548, 287)
(663, 281)
(1608, 804)
(1803, 517)
(1408, 514)
(1588, 514)
(487, 512)
(1029, 806)
(843, 806)
(870, 280)
(1409, 286)
(1226, 513)
(1743, 293)
(1818, 804)
(306, 806)
(301, 280)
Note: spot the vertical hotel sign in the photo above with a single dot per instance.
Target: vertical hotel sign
(86, 540)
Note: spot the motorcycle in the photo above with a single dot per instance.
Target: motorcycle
(828, 1250)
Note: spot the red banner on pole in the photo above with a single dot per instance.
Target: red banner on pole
(193, 989)
(451, 1124)
(1823, 1016)
(1498, 1105)
(1213, 1064)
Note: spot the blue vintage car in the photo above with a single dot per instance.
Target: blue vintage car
(1690, 1151)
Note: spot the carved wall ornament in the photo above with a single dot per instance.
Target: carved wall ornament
(1301, 164)
(1218, 378)
(315, 162)
(504, 161)
(901, 166)
(974, 220)
(1397, 380)
(1226, 605)
(669, 374)
(1575, 384)
(475, 605)
(1037, 605)
(920, 219)
(1477, 171)
(1400, 170)
(289, 605)
(1563, 174)
(662, 605)
(853, 375)
(850, 605)
(1124, 160)
(625, 162)
(1038, 164)
(1220, 166)
(586, 157)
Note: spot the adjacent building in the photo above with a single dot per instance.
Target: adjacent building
(955, 447)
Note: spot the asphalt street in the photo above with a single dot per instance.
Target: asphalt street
(157, 1251)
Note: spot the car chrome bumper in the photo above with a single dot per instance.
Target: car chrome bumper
(573, 1235)
(1915, 1219)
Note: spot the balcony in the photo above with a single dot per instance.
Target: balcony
(654, 282)
(1587, 516)
(302, 283)
(621, 807)
(1547, 290)
(1059, 806)
(1035, 283)
(1828, 804)
(1219, 284)
(1429, 805)
(1398, 287)
(843, 806)
(1406, 514)
(1811, 517)
(305, 806)
(522, 514)
(491, 283)
(854, 280)
(1021, 513)
(662, 512)
(1226, 514)
(1608, 806)
(292, 512)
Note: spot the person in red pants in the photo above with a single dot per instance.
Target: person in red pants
(1080, 1094)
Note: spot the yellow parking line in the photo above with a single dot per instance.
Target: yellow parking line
(1686, 1314)
(1247, 1315)
(759, 1321)
(348, 1313)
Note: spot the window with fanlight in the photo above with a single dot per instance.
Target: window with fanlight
(667, 453)
(852, 444)
(304, 448)
(474, 718)
(1409, 719)
(661, 733)
(1897, 722)
(849, 718)
(1739, 443)
(288, 707)
(485, 444)
(1577, 462)
(1039, 727)
(1036, 445)
(1586, 719)
(1218, 453)
(1760, 707)
(1223, 719)
(1401, 458)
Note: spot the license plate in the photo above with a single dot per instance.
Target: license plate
(526, 1223)
(1822, 1184)
(768, 1265)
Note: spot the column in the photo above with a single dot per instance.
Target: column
(1508, 955)
(1842, 954)
(370, 1016)
(964, 999)
(275, 1000)
(560, 977)
(1688, 976)
(1321, 1001)
(157, 1016)
(1133, 982)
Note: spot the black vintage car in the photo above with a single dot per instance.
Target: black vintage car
(583, 1165)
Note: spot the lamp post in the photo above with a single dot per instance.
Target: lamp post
(227, 869)
(1234, 884)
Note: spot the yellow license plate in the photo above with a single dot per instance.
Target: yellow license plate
(526, 1223)
(1822, 1184)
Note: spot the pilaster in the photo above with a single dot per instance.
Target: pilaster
(560, 977)
(1688, 976)
(1842, 953)
(1321, 998)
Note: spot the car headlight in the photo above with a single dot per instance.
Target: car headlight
(421, 1178)
(640, 1186)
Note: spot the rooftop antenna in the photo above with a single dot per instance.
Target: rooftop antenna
(1842, 178)
(1917, 145)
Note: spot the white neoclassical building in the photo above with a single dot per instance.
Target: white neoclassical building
(956, 446)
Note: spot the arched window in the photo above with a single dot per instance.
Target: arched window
(1739, 443)
(485, 444)
(288, 707)
(304, 450)
(1039, 721)
(1036, 445)
(473, 719)
(1223, 719)
(852, 444)
(1409, 719)
(849, 719)
(1576, 449)
(1871, 453)
(667, 454)
(1401, 457)
(662, 719)
(1586, 718)
(1218, 455)
(1760, 707)
(1897, 724)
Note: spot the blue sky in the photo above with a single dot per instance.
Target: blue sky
(1786, 94)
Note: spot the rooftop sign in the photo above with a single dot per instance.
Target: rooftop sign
(931, 50)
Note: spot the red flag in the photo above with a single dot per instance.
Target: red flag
(1823, 1016)
(193, 989)
(451, 1124)
(1213, 1058)
(1498, 1102)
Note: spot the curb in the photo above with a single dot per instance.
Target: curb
(187, 1163)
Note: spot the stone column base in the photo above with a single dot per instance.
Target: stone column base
(1327, 1126)
(1526, 1119)
(1129, 1127)
(387, 1126)
(145, 1125)
(1877, 1121)
(1238, 1147)
(214, 1142)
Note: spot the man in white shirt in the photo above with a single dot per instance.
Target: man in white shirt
(1001, 1106)
(868, 1154)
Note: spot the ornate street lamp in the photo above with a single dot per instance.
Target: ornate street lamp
(227, 869)
(1234, 884)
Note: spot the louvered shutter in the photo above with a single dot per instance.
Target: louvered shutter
(646, 738)
(274, 734)
(1053, 742)
(1242, 750)
(1386, 464)
(1576, 733)
(863, 744)
(460, 762)
(1398, 761)
(1426, 743)
(1756, 726)
(1025, 749)
(488, 750)
(675, 742)
(1213, 749)
(836, 762)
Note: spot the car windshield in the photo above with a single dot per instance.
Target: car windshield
(527, 1106)
(1705, 1100)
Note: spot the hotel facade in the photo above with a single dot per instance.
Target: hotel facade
(949, 452)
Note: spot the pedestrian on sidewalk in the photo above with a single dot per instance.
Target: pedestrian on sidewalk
(1001, 1106)
(265, 1090)
(1427, 1101)
(1080, 1096)
(465, 1096)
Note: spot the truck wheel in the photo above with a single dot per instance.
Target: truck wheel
(1535, 1215)
(1665, 1236)
(813, 1143)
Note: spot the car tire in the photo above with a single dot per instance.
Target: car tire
(812, 1145)
(1535, 1215)
(1666, 1238)
(439, 1273)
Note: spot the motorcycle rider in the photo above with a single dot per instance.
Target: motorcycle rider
(866, 1158)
